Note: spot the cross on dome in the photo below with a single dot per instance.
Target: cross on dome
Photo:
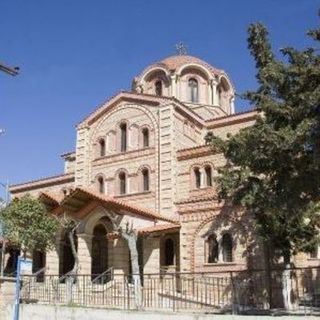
(181, 48)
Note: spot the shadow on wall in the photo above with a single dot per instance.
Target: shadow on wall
(249, 288)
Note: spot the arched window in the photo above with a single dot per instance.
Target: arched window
(158, 88)
(145, 137)
(193, 90)
(123, 137)
(197, 177)
(145, 178)
(101, 184)
(227, 248)
(213, 249)
(102, 147)
(169, 252)
(122, 183)
(208, 172)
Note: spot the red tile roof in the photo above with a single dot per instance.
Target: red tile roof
(134, 96)
(14, 188)
(174, 62)
(158, 228)
(197, 151)
(235, 118)
(106, 200)
(54, 197)
(148, 230)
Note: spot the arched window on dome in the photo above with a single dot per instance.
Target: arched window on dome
(158, 87)
(197, 177)
(212, 249)
(227, 247)
(123, 137)
(101, 186)
(208, 172)
(102, 147)
(145, 179)
(193, 90)
(122, 183)
(145, 137)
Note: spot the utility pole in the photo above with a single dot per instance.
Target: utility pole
(2, 232)
(12, 71)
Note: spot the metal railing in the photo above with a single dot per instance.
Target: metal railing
(104, 277)
(237, 292)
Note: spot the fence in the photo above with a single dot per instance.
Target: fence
(235, 292)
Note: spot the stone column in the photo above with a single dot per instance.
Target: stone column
(53, 257)
(215, 98)
(202, 178)
(232, 105)
(178, 87)
(151, 255)
(84, 253)
(173, 92)
(52, 261)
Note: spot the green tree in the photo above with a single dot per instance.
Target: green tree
(28, 225)
(273, 167)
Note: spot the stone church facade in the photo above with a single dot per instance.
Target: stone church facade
(142, 156)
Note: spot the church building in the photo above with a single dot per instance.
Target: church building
(142, 156)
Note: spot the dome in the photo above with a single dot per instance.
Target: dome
(175, 62)
(190, 80)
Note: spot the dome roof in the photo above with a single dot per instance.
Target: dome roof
(173, 63)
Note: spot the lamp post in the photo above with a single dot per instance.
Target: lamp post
(4, 204)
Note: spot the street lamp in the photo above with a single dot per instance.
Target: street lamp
(3, 205)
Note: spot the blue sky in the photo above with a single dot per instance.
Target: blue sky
(73, 54)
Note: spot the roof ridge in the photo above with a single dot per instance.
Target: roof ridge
(41, 179)
(120, 202)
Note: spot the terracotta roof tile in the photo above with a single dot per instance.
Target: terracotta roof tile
(174, 62)
(195, 199)
(45, 180)
(147, 98)
(118, 204)
(149, 230)
(54, 197)
(197, 151)
(232, 118)
(160, 227)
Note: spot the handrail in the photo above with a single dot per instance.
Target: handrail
(66, 275)
(39, 271)
(109, 270)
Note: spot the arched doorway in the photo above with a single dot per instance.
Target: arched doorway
(99, 253)
(66, 258)
(38, 264)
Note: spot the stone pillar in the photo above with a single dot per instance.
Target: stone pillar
(215, 98)
(173, 92)
(84, 253)
(52, 261)
(151, 255)
(178, 87)
(232, 105)
(210, 93)
(120, 256)
(7, 294)
(202, 178)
